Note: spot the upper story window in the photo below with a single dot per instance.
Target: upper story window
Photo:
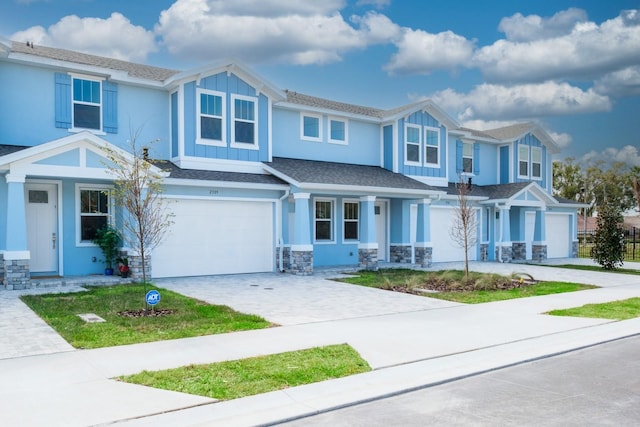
(310, 127)
(323, 218)
(338, 131)
(431, 146)
(412, 144)
(351, 219)
(536, 162)
(94, 210)
(523, 161)
(211, 124)
(467, 157)
(87, 104)
(244, 122)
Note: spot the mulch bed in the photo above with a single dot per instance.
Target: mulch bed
(146, 313)
(442, 286)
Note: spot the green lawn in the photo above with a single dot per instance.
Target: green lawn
(191, 317)
(597, 268)
(246, 377)
(616, 310)
(451, 285)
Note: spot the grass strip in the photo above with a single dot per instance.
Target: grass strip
(191, 317)
(256, 375)
(534, 290)
(597, 268)
(615, 310)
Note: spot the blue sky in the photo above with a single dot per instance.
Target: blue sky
(572, 66)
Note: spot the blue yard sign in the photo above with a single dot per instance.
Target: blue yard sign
(153, 297)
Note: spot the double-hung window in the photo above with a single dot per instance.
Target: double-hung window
(412, 144)
(93, 203)
(351, 218)
(338, 131)
(536, 162)
(244, 122)
(310, 127)
(431, 146)
(211, 123)
(523, 161)
(87, 103)
(467, 157)
(323, 218)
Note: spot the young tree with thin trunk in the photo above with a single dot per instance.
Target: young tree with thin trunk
(137, 190)
(465, 225)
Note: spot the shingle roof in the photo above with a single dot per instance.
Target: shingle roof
(478, 133)
(133, 69)
(10, 149)
(312, 101)
(492, 192)
(509, 132)
(316, 172)
(206, 175)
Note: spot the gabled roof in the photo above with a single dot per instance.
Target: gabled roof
(514, 132)
(206, 175)
(132, 69)
(317, 175)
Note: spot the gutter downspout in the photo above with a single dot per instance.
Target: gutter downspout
(280, 238)
(500, 236)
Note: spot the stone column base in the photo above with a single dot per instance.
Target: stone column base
(301, 263)
(424, 256)
(503, 253)
(135, 266)
(400, 254)
(539, 252)
(575, 247)
(519, 251)
(368, 259)
(286, 258)
(16, 274)
(484, 252)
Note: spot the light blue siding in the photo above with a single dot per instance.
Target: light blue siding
(174, 125)
(422, 119)
(69, 158)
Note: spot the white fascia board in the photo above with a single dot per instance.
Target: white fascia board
(219, 165)
(358, 189)
(226, 184)
(327, 111)
(281, 175)
(69, 172)
(429, 107)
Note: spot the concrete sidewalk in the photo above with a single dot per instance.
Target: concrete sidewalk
(410, 342)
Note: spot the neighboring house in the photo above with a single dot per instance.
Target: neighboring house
(263, 179)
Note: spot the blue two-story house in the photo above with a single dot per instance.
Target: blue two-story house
(258, 178)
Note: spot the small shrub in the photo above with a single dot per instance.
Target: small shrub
(608, 248)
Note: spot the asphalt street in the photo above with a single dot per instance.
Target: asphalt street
(595, 386)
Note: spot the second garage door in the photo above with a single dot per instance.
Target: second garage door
(216, 237)
(444, 248)
(557, 231)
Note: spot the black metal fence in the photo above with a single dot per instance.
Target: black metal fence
(631, 238)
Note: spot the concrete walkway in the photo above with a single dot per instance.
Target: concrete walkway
(410, 341)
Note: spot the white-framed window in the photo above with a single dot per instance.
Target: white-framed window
(431, 146)
(211, 124)
(412, 142)
(523, 161)
(324, 214)
(351, 220)
(93, 211)
(467, 157)
(311, 127)
(536, 162)
(244, 130)
(86, 109)
(338, 131)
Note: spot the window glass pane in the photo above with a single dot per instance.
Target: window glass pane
(351, 230)
(535, 170)
(467, 165)
(337, 130)
(524, 153)
(323, 230)
(432, 137)
(211, 128)
(413, 153)
(467, 150)
(311, 127)
(323, 210)
(244, 132)
(244, 109)
(38, 196)
(524, 169)
(413, 135)
(86, 116)
(351, 211)
(89, 225)
(432, 154)
(210, 105)
(536, 155)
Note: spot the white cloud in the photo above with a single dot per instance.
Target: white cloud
(589, 50)
(628, 154)
(495, 102)
(115, 37)
(378, 4)
(420, 52)
(301, 32)
(624, 82)
(562, 139)
(534, 27)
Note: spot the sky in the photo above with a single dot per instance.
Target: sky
(573, 66)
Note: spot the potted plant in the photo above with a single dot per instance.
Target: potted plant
(108, 239)
(123, 266)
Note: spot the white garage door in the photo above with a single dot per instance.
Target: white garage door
(216, 237)
(444, 248)
(557, 232)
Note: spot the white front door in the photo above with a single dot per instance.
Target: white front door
(380, 210)
(529, 228)
(42, 226)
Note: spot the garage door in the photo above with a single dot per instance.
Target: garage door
(216, 237)
(557, 232)
(444, 248)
